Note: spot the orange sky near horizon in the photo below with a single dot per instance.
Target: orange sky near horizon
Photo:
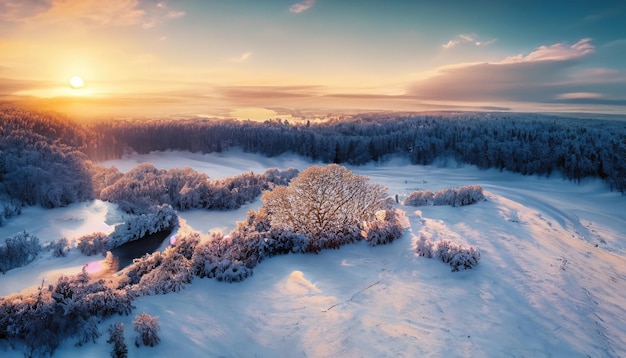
(291, 59)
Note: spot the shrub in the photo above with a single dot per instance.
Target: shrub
(384, 230)
(419, 198)
(59, 248)
(425, 247)
(18, 250)
(116, 337)
(147, 328)
(93, 244)
(461, 196)
(457, 256)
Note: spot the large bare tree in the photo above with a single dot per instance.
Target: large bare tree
(324, 199)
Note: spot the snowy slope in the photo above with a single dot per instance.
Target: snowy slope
(551, 281)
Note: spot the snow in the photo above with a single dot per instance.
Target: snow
(551, 280)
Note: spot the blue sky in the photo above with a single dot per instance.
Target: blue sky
(290, 58)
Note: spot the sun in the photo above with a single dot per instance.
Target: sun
(76, 82)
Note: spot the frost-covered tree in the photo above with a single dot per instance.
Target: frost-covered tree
(116, 337)
(93, 244)
(18, 250)
(147, 328)
(324, 201)
(59, 247)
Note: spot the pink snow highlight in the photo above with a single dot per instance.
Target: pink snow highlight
(93, 267)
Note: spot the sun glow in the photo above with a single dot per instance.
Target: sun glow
(77, 82)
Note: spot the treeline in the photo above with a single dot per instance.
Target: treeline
(522, 143)
(45, 159)
(144, 187)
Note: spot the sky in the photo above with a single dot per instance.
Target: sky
(310, 58)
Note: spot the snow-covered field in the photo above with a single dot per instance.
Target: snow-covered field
(551, 281)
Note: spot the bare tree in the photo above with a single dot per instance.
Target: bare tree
(324, 199)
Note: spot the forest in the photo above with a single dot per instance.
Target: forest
(49, 160)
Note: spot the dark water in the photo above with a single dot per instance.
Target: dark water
(135, 249)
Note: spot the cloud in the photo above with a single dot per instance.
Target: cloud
(301, 6)
(451, 44)
(18, 10)
(557, 52)
(88, 12)
(466, 38)
(579, 95)
(242, 58)
(549, 74)
(96, 12)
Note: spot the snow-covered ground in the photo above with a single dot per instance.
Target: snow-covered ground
(551, 281)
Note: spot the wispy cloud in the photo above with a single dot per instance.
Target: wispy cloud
(88, 12)
(301, 6)
(18, 10)
(244, 56)
(557, 52)
(579, 95)
(451, 44)
(466, 38)
(95, 12)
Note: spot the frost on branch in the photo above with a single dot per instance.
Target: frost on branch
(327, 204)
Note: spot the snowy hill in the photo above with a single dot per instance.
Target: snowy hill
(551, 280)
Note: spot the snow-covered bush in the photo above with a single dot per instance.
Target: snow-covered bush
(147, 328)
(116, 337)
(185, 245)
(59, 247)
(93, 244)
(217, 258)
(279, 242)
(469, 194)
(40, 320)
(419, 198)
(384, 230)
(161, 218)
(173, 273)
(18, 250)
(457, 256)
(425, 247)
(461, 196)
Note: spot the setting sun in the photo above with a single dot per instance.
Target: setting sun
(76, 82)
